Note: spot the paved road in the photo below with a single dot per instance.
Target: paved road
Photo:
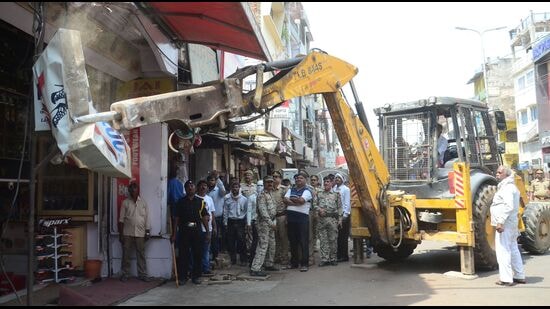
(420, 280)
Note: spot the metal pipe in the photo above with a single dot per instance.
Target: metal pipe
(485, 80)
(97, 117)
(359, 108)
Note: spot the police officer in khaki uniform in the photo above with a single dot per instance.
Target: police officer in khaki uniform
(247, 187)
(539, 188)
(266, 223)
(328, 205)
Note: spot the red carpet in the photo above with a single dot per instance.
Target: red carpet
(107, 292)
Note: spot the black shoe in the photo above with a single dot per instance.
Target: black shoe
(334, 263)
(258, 273)
(271, 268)
(145, 279)
(183, 281)
(196, 280)
(322, 264)
(303, 268)
(124, 278)
(520, 281)
(293, 267)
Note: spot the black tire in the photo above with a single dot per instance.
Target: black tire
(386, 252)
(536, 238)
(484, 250)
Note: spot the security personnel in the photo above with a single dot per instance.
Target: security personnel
(281, 237)
(247, 187)
(328, 205)
(539, 189)
(266, 223)
(191, 212)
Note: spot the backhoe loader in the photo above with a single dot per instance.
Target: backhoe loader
(401, 196)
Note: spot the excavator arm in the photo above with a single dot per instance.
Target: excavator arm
(213, 104)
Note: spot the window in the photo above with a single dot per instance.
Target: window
(534, 113)
(523, 117)
(521, 83)
(530, 78)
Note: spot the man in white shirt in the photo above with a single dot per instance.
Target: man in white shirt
(298, 201)
(202, 187)
(344, 228)
(442, 144)
(504, 217)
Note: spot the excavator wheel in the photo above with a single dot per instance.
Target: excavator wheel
(484, 250)
(387, 252)
(536, 238)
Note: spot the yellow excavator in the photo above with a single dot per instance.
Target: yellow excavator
(401, 195)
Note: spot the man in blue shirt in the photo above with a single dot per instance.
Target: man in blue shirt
(216, 190)
(175, 192)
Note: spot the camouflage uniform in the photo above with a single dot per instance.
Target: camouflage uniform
(331, 202)
(265, 251)
(540, 189)
(248, 190)
(281, 236)
(313, 226)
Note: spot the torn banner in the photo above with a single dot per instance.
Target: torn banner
(64, 91)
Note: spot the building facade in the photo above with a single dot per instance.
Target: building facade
(530, 45)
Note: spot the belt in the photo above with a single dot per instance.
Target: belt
(281, 214)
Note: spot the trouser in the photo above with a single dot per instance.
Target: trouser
(205, 253)
(328, 238)
(190, 246)
(265, 251)
(217, 244)
(236, 239)
(281, 241)
(253, 243)
(313, 235)
(139, 243)
(510, 264)
(343, 235)
(298, 237)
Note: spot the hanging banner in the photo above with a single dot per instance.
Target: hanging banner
(41, 122)
(133, 137)
(133, 89)
(63, 90)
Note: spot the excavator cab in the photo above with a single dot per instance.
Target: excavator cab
(416, 156)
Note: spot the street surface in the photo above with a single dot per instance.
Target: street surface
(419, 280)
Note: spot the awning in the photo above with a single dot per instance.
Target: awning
(228, 26)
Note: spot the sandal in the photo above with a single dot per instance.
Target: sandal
(504, 283)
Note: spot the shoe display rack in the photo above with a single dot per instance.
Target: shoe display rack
(50, 249)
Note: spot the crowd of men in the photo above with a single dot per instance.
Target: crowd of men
(263, 225)
(272, 225)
